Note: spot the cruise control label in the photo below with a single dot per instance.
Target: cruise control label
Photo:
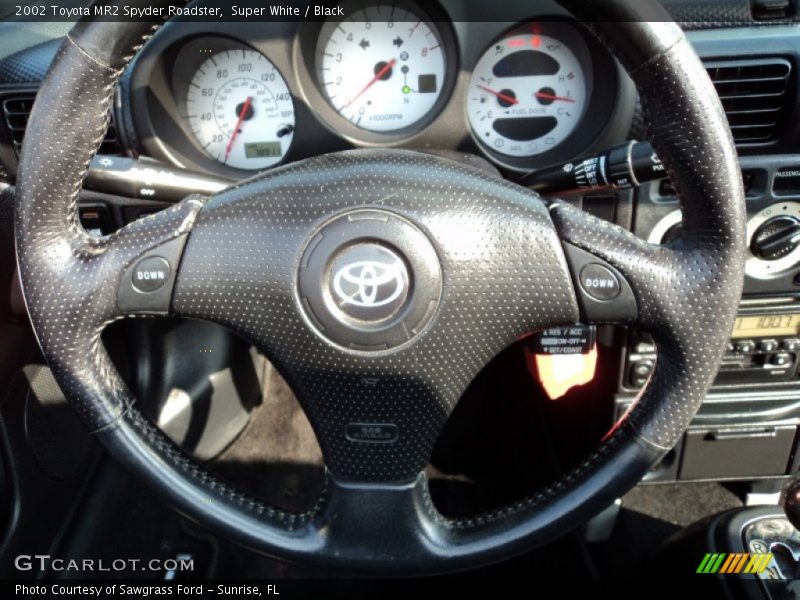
(576, 339)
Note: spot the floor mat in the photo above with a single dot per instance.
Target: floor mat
(276, 458)
(649, 515)
(680, 503)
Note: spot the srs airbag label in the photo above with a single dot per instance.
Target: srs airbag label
(372, 433)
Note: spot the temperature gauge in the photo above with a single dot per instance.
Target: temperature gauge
(527, 94)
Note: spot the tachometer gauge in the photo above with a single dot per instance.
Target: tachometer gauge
(527, 94)
(240, 109)
(382, 68)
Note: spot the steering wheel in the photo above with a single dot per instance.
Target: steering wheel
(380, 282)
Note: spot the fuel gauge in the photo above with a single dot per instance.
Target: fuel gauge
(527, 94)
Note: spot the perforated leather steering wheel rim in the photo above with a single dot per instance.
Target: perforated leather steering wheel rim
(376, 514)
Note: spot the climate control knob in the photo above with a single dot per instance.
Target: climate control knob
(776, 237)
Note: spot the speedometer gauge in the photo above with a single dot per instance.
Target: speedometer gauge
(240, 109)
(382, 68)
(527, 94)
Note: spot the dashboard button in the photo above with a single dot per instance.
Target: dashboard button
(643, 369)
(792, 345)
(768, 345)
(781, 359)
(599, 282)
(745, 346)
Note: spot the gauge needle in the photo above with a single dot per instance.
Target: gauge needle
(238, 128)
(500, 95)
(543, 96)
(386, 68)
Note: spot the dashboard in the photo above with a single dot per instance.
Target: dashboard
(234, 99)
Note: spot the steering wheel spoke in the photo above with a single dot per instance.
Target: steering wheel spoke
(668, 283)
(398, 519)
(146, 255)
(614, 271)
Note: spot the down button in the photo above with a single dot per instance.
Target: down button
(150, 274)
(599, 282)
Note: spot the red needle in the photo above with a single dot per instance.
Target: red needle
(543, 96)
(238, 128)
(500, 95)
(386, 68)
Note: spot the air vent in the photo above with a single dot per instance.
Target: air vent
(753, 93)
(17, 108)
(770, 9)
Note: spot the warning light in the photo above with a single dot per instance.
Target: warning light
(516, 43)
(536, 41)
(536, 28)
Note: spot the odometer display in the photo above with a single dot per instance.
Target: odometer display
(240, 110)
(262, 149)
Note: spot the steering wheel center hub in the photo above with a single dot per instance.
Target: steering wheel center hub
(369, 280)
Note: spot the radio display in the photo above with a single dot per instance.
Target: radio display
(766, 325)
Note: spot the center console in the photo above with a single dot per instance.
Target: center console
(747, 428)
(764, 348)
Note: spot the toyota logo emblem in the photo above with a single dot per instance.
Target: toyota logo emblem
(368, 282)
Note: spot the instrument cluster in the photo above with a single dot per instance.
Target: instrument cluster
(388, 73)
